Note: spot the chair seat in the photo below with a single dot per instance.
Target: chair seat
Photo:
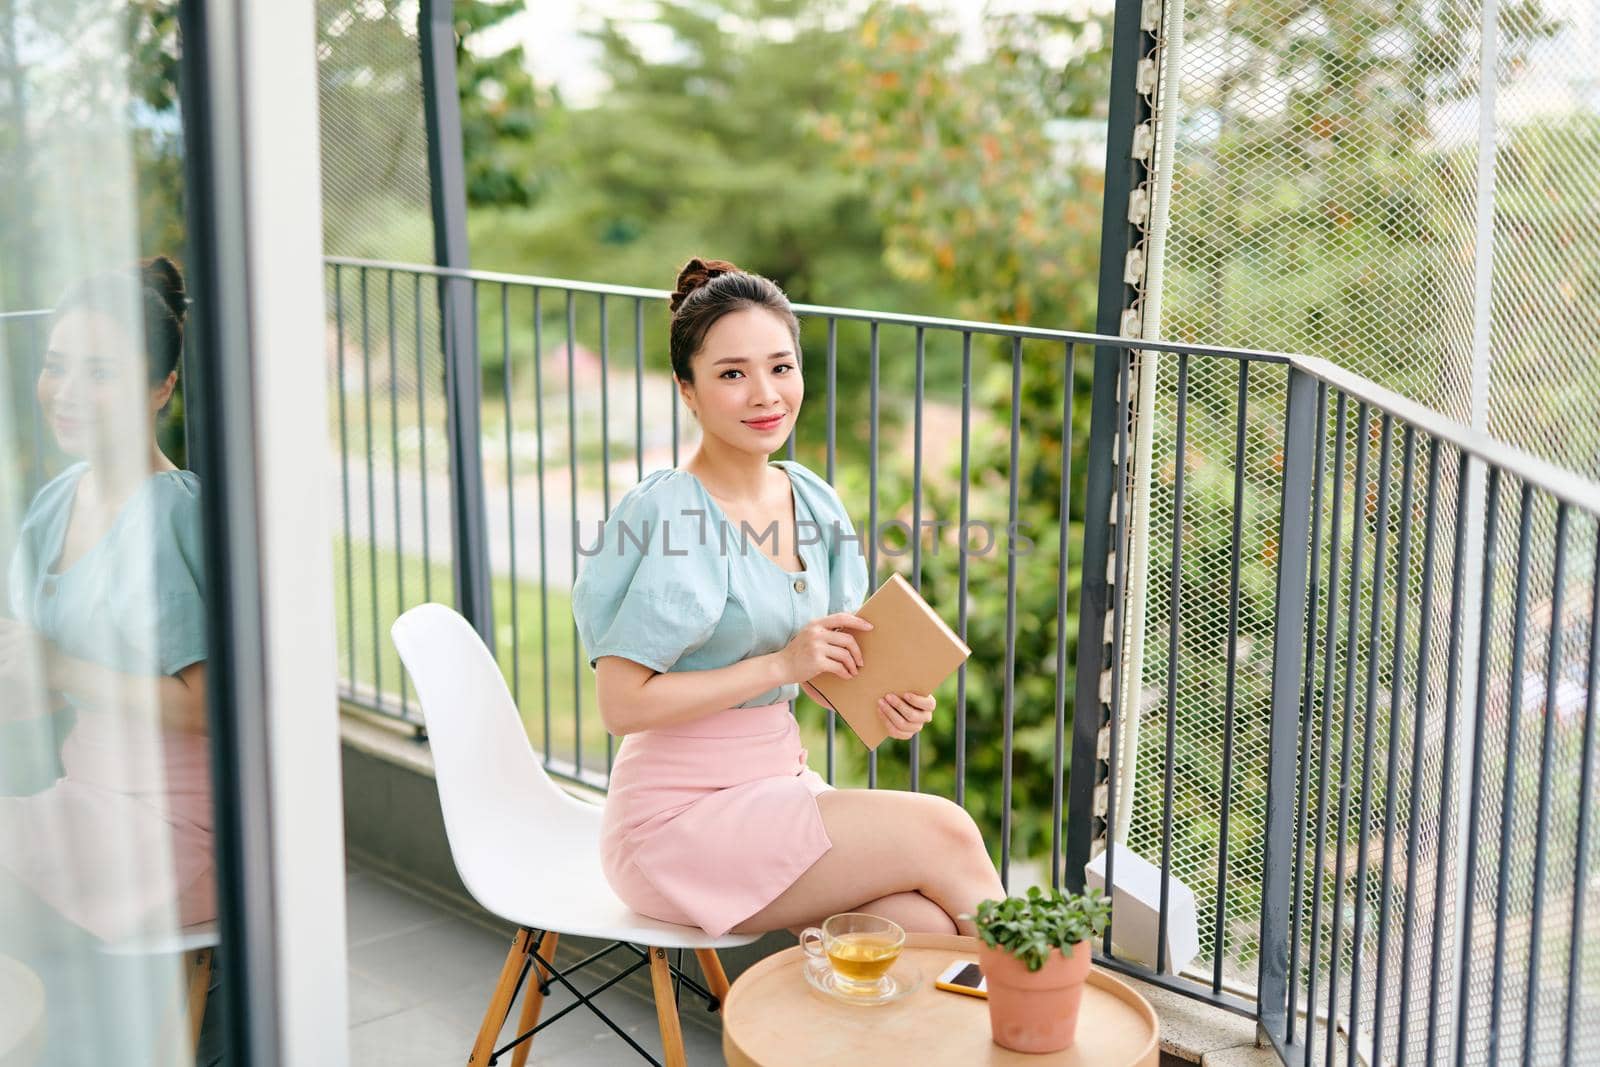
(550, 878)
(169, 943)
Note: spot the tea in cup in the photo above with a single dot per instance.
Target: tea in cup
(859, 948)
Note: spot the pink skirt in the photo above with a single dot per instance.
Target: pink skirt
(709, 821)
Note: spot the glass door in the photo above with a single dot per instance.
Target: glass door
(146, 911)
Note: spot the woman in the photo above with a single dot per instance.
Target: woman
(107, 591)
(717, 590)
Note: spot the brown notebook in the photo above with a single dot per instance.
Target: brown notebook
(908, 649)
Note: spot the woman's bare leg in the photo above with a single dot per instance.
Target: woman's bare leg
(885, 843)
(912, 912)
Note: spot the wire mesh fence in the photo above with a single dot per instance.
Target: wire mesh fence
(1414, 199)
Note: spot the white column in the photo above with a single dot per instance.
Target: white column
(281, 184)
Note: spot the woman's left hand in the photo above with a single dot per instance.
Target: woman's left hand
(906, 713)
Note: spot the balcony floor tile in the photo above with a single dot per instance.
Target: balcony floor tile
(421, 975)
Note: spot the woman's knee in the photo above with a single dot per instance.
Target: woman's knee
(957, 828)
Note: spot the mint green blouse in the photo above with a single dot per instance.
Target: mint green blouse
(672, 583)
(135, 600)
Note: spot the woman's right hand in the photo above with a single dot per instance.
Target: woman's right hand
(824, 646)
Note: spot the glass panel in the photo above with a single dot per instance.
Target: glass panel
(108, 903)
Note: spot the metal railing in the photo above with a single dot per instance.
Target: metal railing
(1375, 714)
(1423, 881)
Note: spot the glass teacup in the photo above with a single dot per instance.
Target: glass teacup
(859, 948)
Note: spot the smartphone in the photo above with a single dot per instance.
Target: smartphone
(963, 976)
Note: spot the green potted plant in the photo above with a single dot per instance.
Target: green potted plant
(1034, 955)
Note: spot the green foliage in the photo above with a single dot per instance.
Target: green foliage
(985, 205)
(502, 111)
(967, 164)
(706, 148)
(1030, 927)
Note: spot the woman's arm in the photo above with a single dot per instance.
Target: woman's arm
(633, 697)
(181, 696)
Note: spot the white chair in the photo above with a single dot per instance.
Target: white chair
(526, 849)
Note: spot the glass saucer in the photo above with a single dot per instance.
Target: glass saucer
(903, 978)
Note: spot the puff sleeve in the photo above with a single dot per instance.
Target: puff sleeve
(652, 589)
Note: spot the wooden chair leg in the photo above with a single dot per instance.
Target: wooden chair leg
(667, 1009)
(716, 977)
(500, 1002)
(532, 999)
(199, 986)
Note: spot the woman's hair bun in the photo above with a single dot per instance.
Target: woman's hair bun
(161, 275)
(696, 273)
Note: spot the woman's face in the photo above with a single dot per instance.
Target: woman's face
(747, 385)
(93, 387)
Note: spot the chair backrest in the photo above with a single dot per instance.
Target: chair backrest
(494, 793)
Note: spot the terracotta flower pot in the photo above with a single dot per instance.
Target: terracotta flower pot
(1035, 1011)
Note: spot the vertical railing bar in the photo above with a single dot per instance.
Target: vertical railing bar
(1580, 877)
(638, 388)
(1419, 725)
(1330, 643)
(1292, 582)
(672, 379)
(789, 447)
(1358, 542)
(422, 441)
(1491, 546)
(1552, 680)
(914, 752)
(544, 569)
(394, 469)
(36, 413)
(833, 418)
(1369, 722)
(372, 500)
(1058, 754)
(833, 386)
(572, 484)
(961, 572)
(1458, 581)
(1124, 390)
(872, 499)
(605, 406)
(511, 493)
(1174, 609)
(1303, 789)
(344, 476)
(1009, 685)
(1233, 652)
(1519, 638)
(605, 457)
(1402, 581)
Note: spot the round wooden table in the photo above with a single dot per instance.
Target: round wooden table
(774, 1018)
(21, 1015)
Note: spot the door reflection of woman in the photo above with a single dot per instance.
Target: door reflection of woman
(107, 594)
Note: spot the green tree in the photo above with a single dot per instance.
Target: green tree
(503, 112)
(983, 198)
